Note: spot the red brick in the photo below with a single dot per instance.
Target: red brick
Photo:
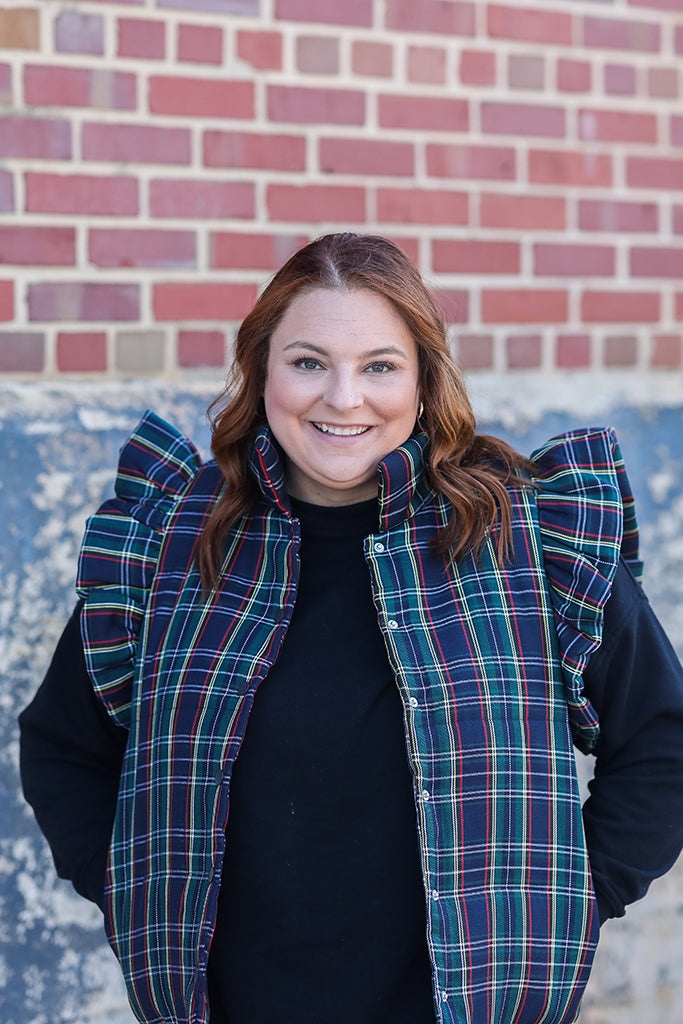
(620, 80)
(427, 64)
(29, 245)
(201, 348)
(615, 34)
(522, 119)
(35, 138)
(620, 307)
(6, 300)
(241, 251)
(213, 6)
(656, 261)
(613, 215)
(200, 97)
(495, 163)
(366, 156)
(315, 203)
(21, 352)
(133, 143)
(522, 212)
(617, 126)
(19, 28)
(474, 352)
(83, 301)
(477, 67)
(79, 87)
(180, 300)
(375, 60)
(424, 113)
(658, 5)
(663, 83)
(81, 352)
(419, 206)
(678, 39)
(679, 306)
(261, 152)
(141, 247)
(524, 306)
(410, 246)
(443, 17)
(665, 351)
(81, 193)
(77, 32)
(676, 130)
(263, 50)
(566, 260)
(529, 25)
(523, 352)
(200, 44)
(453, 304)
(326, 12)
(141, 37)
(201, 199)
(315, 106)
(654, 172)
(620, 351)
(563, 167)
(573, 351)
(465, 256)
(526, 71)
(678, 220)
(6, 84)
(317, 55)
(6, 192)
(573, 75)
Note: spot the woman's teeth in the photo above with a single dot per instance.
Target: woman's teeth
(340, 431)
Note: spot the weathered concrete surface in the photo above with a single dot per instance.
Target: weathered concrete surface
(58, 448)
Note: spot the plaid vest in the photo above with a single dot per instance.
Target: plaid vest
(488, 661)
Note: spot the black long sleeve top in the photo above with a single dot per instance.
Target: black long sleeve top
(633, 817)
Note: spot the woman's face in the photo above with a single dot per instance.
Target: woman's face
(341, 392)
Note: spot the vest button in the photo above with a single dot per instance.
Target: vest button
(379, 546)
(392, 624)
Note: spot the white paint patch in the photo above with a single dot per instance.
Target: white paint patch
(526, 398)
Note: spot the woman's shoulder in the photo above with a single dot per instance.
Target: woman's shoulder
(156, 462)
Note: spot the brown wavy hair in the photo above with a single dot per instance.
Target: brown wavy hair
(470, 470)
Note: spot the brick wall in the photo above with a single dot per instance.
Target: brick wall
(159, 159)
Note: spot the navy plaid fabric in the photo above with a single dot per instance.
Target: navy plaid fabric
(488, 661)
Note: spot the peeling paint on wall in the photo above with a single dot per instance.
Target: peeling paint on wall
(58, 451)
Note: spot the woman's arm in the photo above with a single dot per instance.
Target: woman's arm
(71, 756)
(634, 815)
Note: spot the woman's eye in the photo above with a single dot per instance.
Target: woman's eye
(307, 363)
(380, 367)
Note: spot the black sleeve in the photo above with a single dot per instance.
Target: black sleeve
(71, 754)
(634, 815)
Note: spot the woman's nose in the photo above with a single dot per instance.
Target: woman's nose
(342, 392)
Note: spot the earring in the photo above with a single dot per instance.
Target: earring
(420, 410)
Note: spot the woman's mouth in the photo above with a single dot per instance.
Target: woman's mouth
(327, 428)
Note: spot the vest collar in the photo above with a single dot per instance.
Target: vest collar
(402, 483)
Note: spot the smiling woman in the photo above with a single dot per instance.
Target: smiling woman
(307, 739)
(363, 284)
(342, 391)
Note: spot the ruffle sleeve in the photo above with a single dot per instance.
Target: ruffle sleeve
(587, 521)
(120, 552)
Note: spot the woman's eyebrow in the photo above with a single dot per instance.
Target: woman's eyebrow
(385, 350)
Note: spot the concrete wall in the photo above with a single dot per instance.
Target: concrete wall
(58, 447)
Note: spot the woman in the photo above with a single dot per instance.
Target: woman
(396, 624)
